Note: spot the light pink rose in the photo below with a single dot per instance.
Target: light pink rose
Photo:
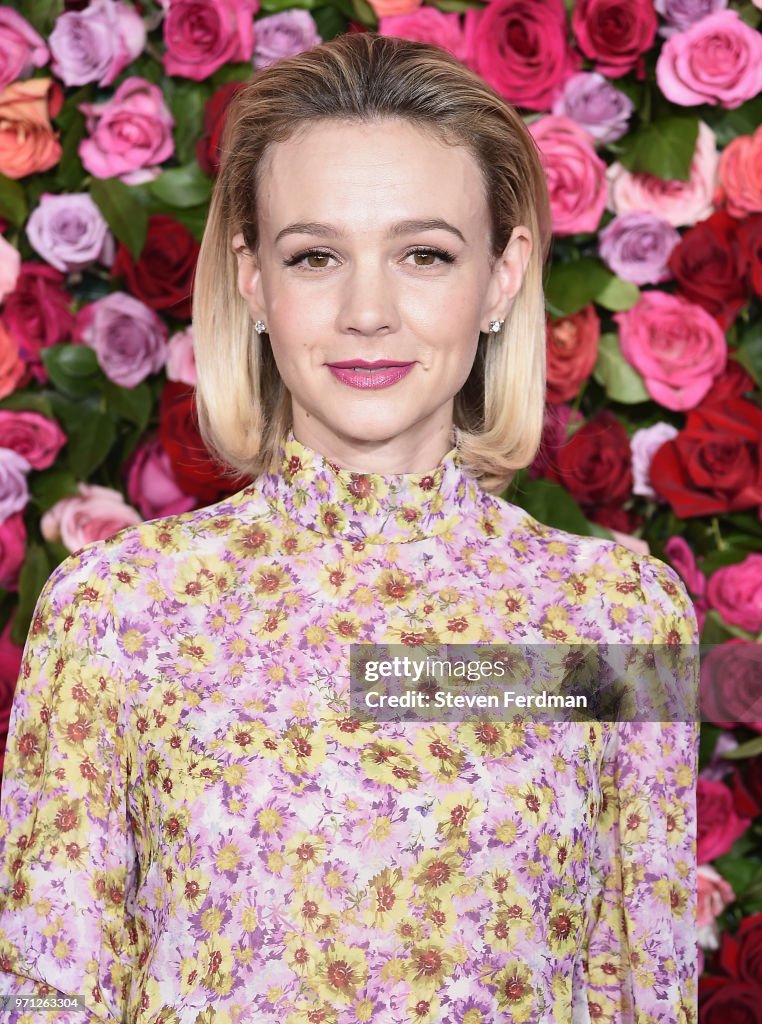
(714, 894)
(735, 591)
(202, 35)
(576, 175)
(181, 361)
(717, 60)
(12, 550)
(151, 484)
(129, 338)
(10, 267)
(636, 544)
(14, 491)
(96, 43)
(675, 345)
(32, 435)
(21, 47)
(681, 203)
(130, 134)
(427, 25)
(643, 444)
(98, 513)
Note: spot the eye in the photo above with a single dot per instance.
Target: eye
(310, 254)
(432, 255)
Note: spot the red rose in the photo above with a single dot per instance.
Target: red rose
(751, 769)
(520, 47)
(595, 465)
(732, 1003)
(709, 266)
(615, 33)
(718, 824)
(714, 465)
(613, 517)
(733, 382)
(163, 275)
(37, 313)
(572, 349)
(741, 954)
(192, 465)
(207, 147)
(750, 240)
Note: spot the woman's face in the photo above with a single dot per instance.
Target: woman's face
(374, 247)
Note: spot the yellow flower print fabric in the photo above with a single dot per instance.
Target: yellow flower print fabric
(195, 830)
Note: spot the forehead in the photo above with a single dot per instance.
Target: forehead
(365, 176)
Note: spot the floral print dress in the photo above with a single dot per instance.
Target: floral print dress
(194, 830)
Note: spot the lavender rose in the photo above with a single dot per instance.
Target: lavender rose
(95, 44)
(21, 47)
(680, 14)
(14, 492)
(70, 232)
(643, 444)
(129, 339)
(592, 101)
(636, 246)
(284, 34)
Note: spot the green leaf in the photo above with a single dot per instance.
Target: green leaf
(72, 368)
(131, 404)
(34, 572)
(550, 504)
(596, 530)
(90, 442)
(618, 295)
(738, 869)
(728, 124)
(455, 5)
(187, 104)
(194, 218)
(12, 202)
(50, 486)
(749, 749)
(124, 211)
(708, 736)
(620, 380)
(182, 187)
(665, 147)
(42, 14)
(330, 22)
(28, 401)
(730, 555)
(571, 286)
(749, 351)
(365, 13)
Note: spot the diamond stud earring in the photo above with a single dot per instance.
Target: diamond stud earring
(495, 325)
(260, 327)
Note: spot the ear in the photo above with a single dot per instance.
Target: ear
(507, 277)
(249, 277)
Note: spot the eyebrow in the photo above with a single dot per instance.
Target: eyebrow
(402, 227)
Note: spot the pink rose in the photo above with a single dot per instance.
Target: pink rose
(676, 345)
(716, 60)
(202, 35)
(680, 554)
(636, 544)
(10, 667)
(130, 134)
(615, 33)
(98, 513)
(427, 25)
(679, 202)
(32, 435)
(718, 824)
(391, 8)
(521, 48)
(96, 43)
(741, 174)
(576, 175)
(151, 484)
(12, 550)
(714, 894)
(643, 444)
(21, 47)
(735, 591)
(181, 361)
(10, 267)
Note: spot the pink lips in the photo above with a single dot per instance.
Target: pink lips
(382, 378)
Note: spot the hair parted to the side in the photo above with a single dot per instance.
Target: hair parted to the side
(243, 406)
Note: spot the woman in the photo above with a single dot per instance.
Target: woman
(197, 828)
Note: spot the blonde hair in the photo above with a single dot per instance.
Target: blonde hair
(243, 406)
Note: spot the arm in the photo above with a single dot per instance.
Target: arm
(639, 963)
(67, 860)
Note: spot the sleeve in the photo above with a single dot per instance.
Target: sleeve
(66, 854)
(639, 962)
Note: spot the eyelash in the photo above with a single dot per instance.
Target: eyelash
(444, 254)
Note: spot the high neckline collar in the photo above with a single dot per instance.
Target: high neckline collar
(389, 508)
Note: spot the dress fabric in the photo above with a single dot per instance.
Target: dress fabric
(194, 830)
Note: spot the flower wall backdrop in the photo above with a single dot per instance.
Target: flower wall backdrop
(647, 116)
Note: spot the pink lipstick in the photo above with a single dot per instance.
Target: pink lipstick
(358, 373)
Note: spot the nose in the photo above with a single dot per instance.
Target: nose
(368, 303)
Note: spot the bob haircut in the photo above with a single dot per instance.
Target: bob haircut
(243, 406)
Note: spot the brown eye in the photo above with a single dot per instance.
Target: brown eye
(428, 257)
(317, 256)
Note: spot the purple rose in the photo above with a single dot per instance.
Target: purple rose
(70, 232)
(21, 48)
(637, 245)
(643, 445)
(14, 492)
(283, 34)
(592, 101)
(95, 44)
(681, 14)
(129, 339)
